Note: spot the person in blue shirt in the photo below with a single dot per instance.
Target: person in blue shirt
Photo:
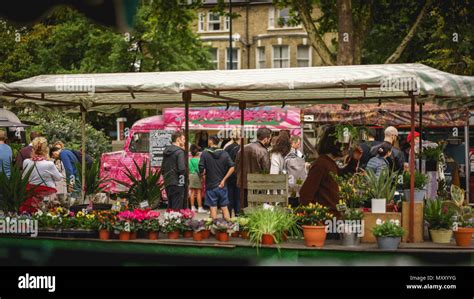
(69, 160)
(5, 154)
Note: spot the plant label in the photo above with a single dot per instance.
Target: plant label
(144, 204)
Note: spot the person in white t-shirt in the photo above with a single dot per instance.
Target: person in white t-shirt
(43, 175)
(279, 151)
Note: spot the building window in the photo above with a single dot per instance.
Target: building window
(260, 57)
(201, 21)
(281, 56)
(279, 18)
(235, 59)
(303, 56)
(215, 57)
(227, 23)
(214, 21)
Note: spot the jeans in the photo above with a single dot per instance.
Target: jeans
(234, 198)
(176, 197)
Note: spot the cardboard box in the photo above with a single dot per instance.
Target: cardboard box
(370, 220)
(419, 223)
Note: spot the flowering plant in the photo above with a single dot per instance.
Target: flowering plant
(150, 220)
(61, 218)
(243, 223)
(105, 219)
(312, 214)
(439, 214)
(390, 228)
(171, 221)
(223, 226)
(197, 225)
(187, 213)
(348, 213)
(208, 223)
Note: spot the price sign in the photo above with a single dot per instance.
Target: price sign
(159, 139)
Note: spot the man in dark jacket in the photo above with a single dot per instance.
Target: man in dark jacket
(396, 160)
(366, 147)
(174, 172)
(218, 167)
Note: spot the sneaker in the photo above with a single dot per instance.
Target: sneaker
(193, 209)
(203, 211)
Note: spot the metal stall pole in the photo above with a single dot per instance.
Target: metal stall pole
(186, 99)
(83, 152)
(230, 36)
(420, 149)
(242, 123)
(467, 163)
(411, 227)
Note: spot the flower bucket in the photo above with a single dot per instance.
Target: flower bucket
(173, 235)
(206, 234)
(235, 235)
(463, 236)
(197, 236)
(104, 234)
(267, 239)
(419, 195)
(133, 236)
(222, 236)
(379, 205)
(350, 239)
(152, 235)
(388, 243)
(441, 236)
(124, 236)
(314, 236)
(244, 234)
(187, 234)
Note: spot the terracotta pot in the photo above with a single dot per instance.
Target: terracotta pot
(464, 236)
(104, 234)
(173, 234)
(267, 239)
(222, 236)
(197, 236)
(235, 234)
(244, 234)
(124, 236)
(187, 234)
(314, 236)
(133, 236)
(206, 234)
(152, 235)
(441, 236)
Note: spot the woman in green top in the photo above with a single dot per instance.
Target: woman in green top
(195, 184)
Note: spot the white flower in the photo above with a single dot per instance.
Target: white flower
(397, 222)
(378, 221)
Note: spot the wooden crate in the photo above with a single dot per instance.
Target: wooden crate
(370, 220)
(419, 224)
(271, 188)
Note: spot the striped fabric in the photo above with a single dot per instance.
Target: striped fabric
(115, 91)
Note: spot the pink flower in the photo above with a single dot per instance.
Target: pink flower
(187, 213)
(71, 214)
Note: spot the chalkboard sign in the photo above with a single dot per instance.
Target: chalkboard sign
(159, 139)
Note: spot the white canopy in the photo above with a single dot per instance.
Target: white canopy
(111, 92)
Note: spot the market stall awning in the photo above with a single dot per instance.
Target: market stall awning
(357, 83)
(386, 114)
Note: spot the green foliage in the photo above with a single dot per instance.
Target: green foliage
(94, 183)
(312, 214)
(352, 190)
(67, 128)
(382, 186)
(464, 213)
(433, 153)
(145, 184)
(13, 189)
(439, 214)
(420, 180)
(388, 229)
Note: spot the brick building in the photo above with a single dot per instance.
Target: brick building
(262, 37)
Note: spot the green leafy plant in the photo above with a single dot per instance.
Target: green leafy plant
(433, 153)
(94, 183)
(420, 180)
(352, 190)
(346, 131)
(439, 214)
(381, 186)
(13, 188)
(464, 213)
(145, 184)
(388, 229)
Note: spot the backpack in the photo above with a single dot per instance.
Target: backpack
(78, 155)
(295, 167)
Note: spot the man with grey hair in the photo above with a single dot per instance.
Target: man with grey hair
(396, 159)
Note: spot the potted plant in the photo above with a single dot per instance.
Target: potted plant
(105, 222)
(187, 215)
(243, 222)
(351, 225)
(439, 215)
(171, 223)
(263, 225)
(388, 234)
(222, 228)
(206, 233)
(198, 227)
(345, 132)
(312, 219)
(381, 188)
(432, 155)
(150, 223)
(236, 231)
(420, 182)
(464, 226)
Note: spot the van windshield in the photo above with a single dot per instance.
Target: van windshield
(140, 143)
